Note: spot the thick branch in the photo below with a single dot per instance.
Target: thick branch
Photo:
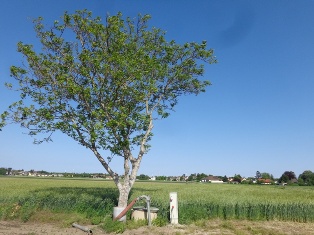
(114, 175)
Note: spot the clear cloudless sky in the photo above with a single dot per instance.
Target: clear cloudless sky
(257, 116)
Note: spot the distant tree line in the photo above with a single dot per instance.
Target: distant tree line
(288, 177)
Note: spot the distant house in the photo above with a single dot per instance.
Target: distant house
(265, 181)
(32, 173)
(173, 178)
(152, 178)
(231, 180)
(108, 177)
(24, 173)
(212, 179)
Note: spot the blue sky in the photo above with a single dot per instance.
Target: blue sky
(257, 115)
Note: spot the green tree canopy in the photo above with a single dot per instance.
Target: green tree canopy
(307, 178)
(225, 179)
(284, 178)
(266, 175)
(3, 171)
(200, 176)
(104, 83)
(237, 178)
(143, 177)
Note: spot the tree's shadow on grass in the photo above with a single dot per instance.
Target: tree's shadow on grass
(95, 192)
(74, 197)
(92, 202)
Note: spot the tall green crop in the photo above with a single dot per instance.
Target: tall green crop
(96, 198)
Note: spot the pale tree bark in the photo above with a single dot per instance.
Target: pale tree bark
(124, 191)
(129, 178)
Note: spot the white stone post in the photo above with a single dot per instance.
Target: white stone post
(174, 215)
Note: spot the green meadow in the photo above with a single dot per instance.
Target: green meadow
(92, 200)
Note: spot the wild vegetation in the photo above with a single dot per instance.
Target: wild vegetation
(93, 200)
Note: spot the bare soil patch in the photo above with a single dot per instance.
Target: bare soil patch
(202, 227)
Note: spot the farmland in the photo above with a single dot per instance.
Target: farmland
(22, 198)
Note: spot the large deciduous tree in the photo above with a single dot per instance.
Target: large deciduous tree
(287, 176)
(307, 178)
(103, 83)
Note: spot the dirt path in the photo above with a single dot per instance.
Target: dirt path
(19, 228)
(207, 227)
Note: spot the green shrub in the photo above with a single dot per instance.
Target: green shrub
(160, 221)
(111, 226)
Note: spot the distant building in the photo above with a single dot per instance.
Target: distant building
(265, 181)
(212, 179)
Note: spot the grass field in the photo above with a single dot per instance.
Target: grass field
(93, 200)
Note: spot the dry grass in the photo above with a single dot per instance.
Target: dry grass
(244, 227)
(60, 219)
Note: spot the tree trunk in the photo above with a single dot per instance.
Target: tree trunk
(124, 191)
(129, 179)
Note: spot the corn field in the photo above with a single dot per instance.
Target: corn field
(94, 199)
